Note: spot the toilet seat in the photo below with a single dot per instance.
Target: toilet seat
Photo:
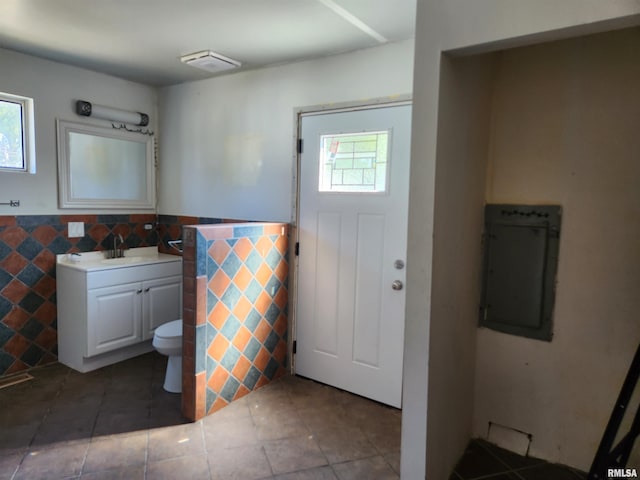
(169, 330)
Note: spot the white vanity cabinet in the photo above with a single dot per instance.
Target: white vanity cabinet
(114, 317)
(127, 314)
(159, 303)
(108, 311)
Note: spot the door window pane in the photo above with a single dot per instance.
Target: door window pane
(354, 162)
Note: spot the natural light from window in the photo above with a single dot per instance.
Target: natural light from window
(17, 143)
(354, 162)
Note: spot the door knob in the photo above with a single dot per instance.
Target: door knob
(397, 285)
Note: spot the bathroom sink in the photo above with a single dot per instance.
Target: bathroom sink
(92, 261)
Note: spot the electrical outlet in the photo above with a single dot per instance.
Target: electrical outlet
(148, 226)
(76, 229)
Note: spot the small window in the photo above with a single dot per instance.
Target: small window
(17, 143)
(354, 162)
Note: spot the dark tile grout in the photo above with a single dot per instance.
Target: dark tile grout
(508, 469)
(106, 379)
(161, 412)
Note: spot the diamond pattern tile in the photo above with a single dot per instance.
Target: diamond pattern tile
(33, 355)
(32, 329)
(218, 379)
(253, 320)
(13, 236)
(252, 349)
(253, 261)
(30, 275)
(263, 275)
(246, 321)
(243, 248)
(242, 308)
(282, 298)
(46, 261)
(231, 296)
(242, 278)
(252, 377)
(253, 290)
(5, 307)
(46, 286)
(5, 279)
(230, 358)
(241, 367)
(219, 283)
(242, 338)
(281, 326)
(231, 265)
(218, 252)
(272, 314)
(263, 245)
(230, 388)
(31, 302)
(218, 347)
(15, 291)
(15, 318)
(47, 313)
(5, 333)
(4, 250)
(263, 302)
(44, 234)
(13, 263)
(16, 345)
(6, 360)
(262, 331)
(28, 248)
(218, 314)
(60, 245)
(282, 270)
(231, 327)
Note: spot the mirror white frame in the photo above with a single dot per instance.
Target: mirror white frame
(102, 167)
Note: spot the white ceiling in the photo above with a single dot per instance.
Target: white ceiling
(143, 40)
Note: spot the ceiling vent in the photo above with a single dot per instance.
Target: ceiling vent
(210, 61)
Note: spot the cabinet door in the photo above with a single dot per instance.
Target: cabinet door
(114, 317)
(162, 303)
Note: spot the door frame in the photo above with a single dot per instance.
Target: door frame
(299, 112)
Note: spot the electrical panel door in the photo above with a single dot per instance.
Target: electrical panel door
(520, 263)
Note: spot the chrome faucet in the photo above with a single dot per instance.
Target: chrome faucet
(118, 251)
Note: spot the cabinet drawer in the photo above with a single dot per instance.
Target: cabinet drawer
(135, 273)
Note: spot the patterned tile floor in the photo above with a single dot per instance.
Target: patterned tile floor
(117, 422)
(485, 461)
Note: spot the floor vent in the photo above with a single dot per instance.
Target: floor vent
(510, 438)
(14, 380)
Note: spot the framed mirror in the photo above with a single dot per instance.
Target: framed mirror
(102, 167)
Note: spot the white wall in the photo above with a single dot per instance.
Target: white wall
(227, 144)
(55, 87)
(444, 25)
(564, 131)
(463, 143)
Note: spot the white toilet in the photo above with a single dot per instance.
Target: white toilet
(167, 340)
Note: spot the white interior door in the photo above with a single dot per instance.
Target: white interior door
(354, 183)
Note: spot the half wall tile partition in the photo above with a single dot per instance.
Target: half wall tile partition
(235, 312)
